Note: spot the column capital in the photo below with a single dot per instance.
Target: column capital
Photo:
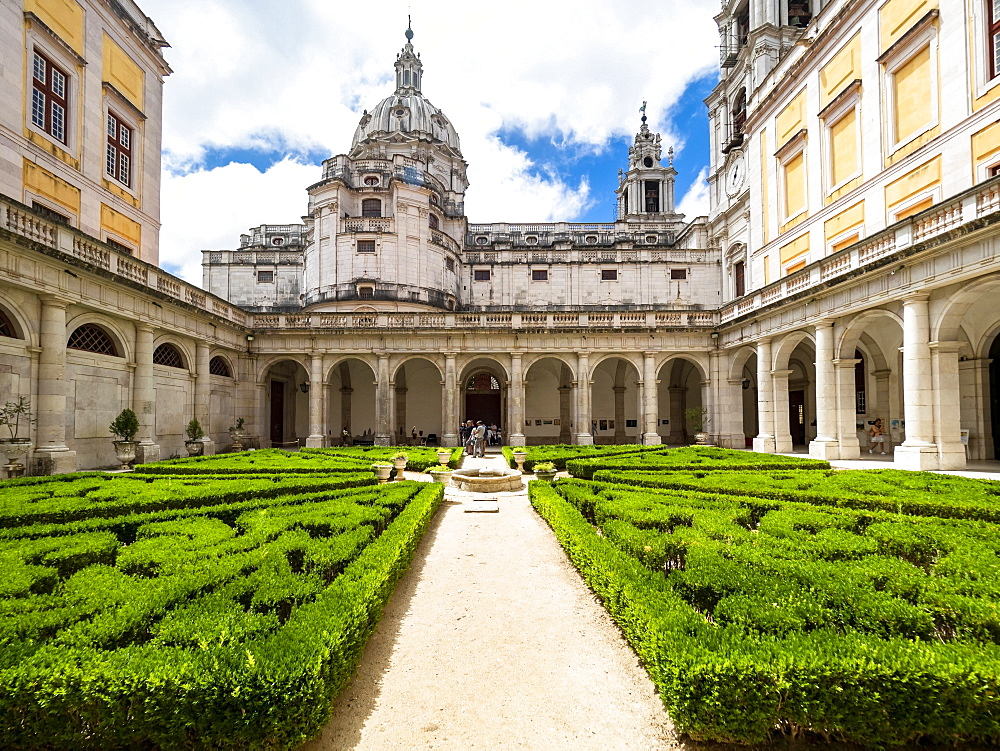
(825, 323)
(945, 346)
(781, 373)
(848, 362)
(54, 301)
(915, 297)
(649, 355)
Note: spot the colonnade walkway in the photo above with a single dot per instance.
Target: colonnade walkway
(492, 640)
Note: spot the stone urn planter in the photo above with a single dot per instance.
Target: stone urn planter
(194, 448)
(442, 476)
(545, 471)
(399, 462)
(125, 451)
(14, 449)
(519, 457)
(701, 439)
(444, 457)
(237, 434)
(382, 472)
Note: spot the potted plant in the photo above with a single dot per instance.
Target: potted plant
(545, 471)
(399, 461)
(440, 474)
(382, 471)
(519, 456)
(697, 420)
(236, 432)
(14, 447)
(444, 456)
(194, 435)
(124, 428)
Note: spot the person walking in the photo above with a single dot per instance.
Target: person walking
(877, 435)
(467, 441)
(479, 440)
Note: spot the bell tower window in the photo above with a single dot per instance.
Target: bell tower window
(652, 196)
(371, 207)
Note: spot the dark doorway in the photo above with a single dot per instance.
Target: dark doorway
(797, 416)
(277, 412)
(482, 400)
(995, 395)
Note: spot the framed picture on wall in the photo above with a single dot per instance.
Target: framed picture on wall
(527, 423)
(546, 422)
(611, 424)
(557, 421)
(631, 423)
(538, 422)
(603, 425)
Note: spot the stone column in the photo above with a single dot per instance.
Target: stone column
(383, 402)
(52, 455)
(947, 405)
(918, 450)
(764, 441)
(144, 395)
(583, 435)
(399, 412)
(317, 425)
(565, 415)
(974, 380)
(449, 432)
(847, 410)
(515, 431)
(677, 426)
(650, 401)
(203, 396)
(620, 414)
(782, 426)
(825, 445)
(333, 435)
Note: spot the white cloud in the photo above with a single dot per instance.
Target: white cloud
(695, 201)
(252, 73)
(202, 208)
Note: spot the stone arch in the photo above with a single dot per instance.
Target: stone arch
(548, 398)
(284, 406)
(487, 405)
(419, 392)
(13, 323)
(352, 399)
(681, 387)
(614, 400)
(633, 359)
(226, 361)
(782, 351)
(187, 359)
(738, 361)
(849, 336)
(108, 326)
(367, 359)
(264, 364)
(568, 362)
(946, 326)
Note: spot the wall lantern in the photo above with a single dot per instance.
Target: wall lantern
(304, 387)
(745, 384)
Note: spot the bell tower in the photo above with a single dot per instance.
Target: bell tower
(646, 190)
(409, 69)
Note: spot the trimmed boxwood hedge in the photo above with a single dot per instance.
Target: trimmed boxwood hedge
(701, 458)
(559, 454)
(265, 461)
(419, 458)
(194, 612)
(758, 617)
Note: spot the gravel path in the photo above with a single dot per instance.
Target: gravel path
(492, 640)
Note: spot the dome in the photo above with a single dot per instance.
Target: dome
(406, 112)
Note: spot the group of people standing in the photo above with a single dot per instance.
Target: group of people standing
(475, 437)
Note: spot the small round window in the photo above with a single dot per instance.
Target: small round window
(482, 240)
(591, 239)
(400, 113)
(531, 240)
(372, 180)
(650, 239)
(277, 241)
(648, 161)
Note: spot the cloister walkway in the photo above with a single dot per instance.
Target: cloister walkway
(492, 640)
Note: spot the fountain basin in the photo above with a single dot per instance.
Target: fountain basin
(487, 480)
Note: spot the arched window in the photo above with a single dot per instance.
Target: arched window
(483, 382)
(7, 327)
(739, 112)
(92, 338)
(219, 367)
(433, 221)
(168, 355)
(371, 207)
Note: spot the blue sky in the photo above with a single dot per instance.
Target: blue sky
(263, 90)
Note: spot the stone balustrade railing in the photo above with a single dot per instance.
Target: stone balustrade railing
(962, 210)
(618, 320)
(20, 220)
(585, 255)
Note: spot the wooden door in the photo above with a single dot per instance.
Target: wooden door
(797, 416)
(277, 412)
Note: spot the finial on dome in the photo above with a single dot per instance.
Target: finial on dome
(642, 109)
(409, 29)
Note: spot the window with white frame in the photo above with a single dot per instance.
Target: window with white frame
(842, 140)
(49, 97)
(792, 180)
(993, 36)
(118, 150)
(911, 86)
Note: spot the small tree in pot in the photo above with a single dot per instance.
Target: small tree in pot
(12, 416)
(194, 434)
(124, 428)
(236, 432)
(697, 420)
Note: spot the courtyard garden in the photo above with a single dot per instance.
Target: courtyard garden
(225, 601)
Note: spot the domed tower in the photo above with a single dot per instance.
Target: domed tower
(387, 220)
(646, 190)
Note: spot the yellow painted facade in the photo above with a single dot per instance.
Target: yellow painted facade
(896, 17)
(794, 249)
(791, 119)
(64, 17)
(41, 182)
(912, 96)
(844, 68)
(764, 197)
(844, 157)
(119, 224)
(925, 177)
(795, 186)
(121, 72)
(846, 220)
(985, 147)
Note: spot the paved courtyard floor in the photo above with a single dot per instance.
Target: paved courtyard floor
(492, 640)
